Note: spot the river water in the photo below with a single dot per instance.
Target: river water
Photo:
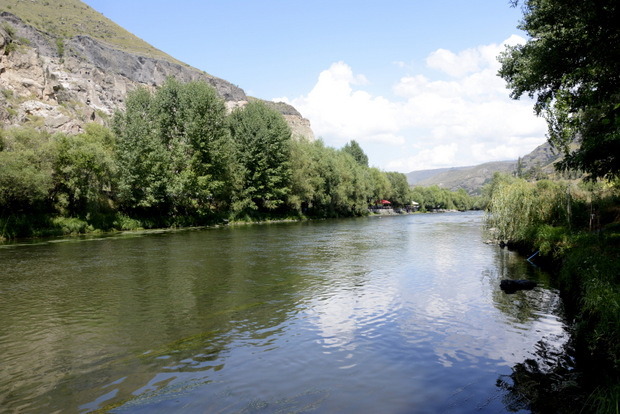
(396, 314)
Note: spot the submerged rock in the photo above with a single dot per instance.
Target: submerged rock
(511, 286)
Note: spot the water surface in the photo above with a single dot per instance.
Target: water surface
(393, 315)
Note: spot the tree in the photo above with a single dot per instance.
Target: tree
(306, 180)
(174, 150)
(84, 168)
(571, 65)
(381, 185)
(400, 188)
(262, 141)
(190, 121)
(26, 159)
(357, 152)
(143, 160)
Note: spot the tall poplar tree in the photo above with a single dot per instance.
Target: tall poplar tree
(173, 150)
(262, 139)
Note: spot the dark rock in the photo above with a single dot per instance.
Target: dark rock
(511, 286)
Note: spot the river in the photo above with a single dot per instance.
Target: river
(399, 314)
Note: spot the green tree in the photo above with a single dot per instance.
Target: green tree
(307, 184)
(380, 184)
(262, 140)
(400, 189)
(461, 200)
(357, 152)
(174, 150)
(26, 167)
(143, 160)
(417, 194)
(84, 170)
(571, 65)
(190, 121)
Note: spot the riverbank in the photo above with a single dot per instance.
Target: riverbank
(17, 227)
(571, 229)
(586, 268)
(44, 226)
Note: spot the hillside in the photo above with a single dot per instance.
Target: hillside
(63, 64)
(65, 19)
(415, 177)
(539, 162)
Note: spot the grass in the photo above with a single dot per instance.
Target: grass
(603, 401)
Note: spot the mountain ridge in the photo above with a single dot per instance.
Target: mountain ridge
(539, 162)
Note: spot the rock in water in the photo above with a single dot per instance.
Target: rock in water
(511, 286)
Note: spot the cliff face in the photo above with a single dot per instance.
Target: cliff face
(62, 84)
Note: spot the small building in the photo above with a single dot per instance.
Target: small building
(413, 206)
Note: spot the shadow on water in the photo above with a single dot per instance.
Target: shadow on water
(547, 381)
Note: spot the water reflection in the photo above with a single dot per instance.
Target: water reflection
(400, 314)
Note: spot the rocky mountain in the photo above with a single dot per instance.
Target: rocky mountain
(62, 64)
(538, 163)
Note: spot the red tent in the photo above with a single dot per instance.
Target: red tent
(385, 202)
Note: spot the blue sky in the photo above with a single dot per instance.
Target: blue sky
(413, 82)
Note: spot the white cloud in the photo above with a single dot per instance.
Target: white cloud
(341, 113)
(435, 157)
(455, 65)
(423, 122)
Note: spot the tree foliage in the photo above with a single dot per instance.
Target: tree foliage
(84, 170)
(357, 152)
(26, 168)
(173, 149)
(261, 138)
(571, 65)
(431, 198)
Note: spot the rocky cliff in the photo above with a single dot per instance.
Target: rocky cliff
(60, 84)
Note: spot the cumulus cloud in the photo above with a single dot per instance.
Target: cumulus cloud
(462, 116)
(340, 113)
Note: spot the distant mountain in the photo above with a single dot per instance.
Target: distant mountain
(471, 179)
(415, 177)
(537, 163)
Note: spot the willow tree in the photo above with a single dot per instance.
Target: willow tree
(571, 66)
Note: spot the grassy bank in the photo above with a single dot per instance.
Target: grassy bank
(29, 226)
(45, 225)
(575, 228)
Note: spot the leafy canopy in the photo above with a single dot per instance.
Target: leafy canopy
(357, 152)
(173, 149)
(262, 140)
(571, 66)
